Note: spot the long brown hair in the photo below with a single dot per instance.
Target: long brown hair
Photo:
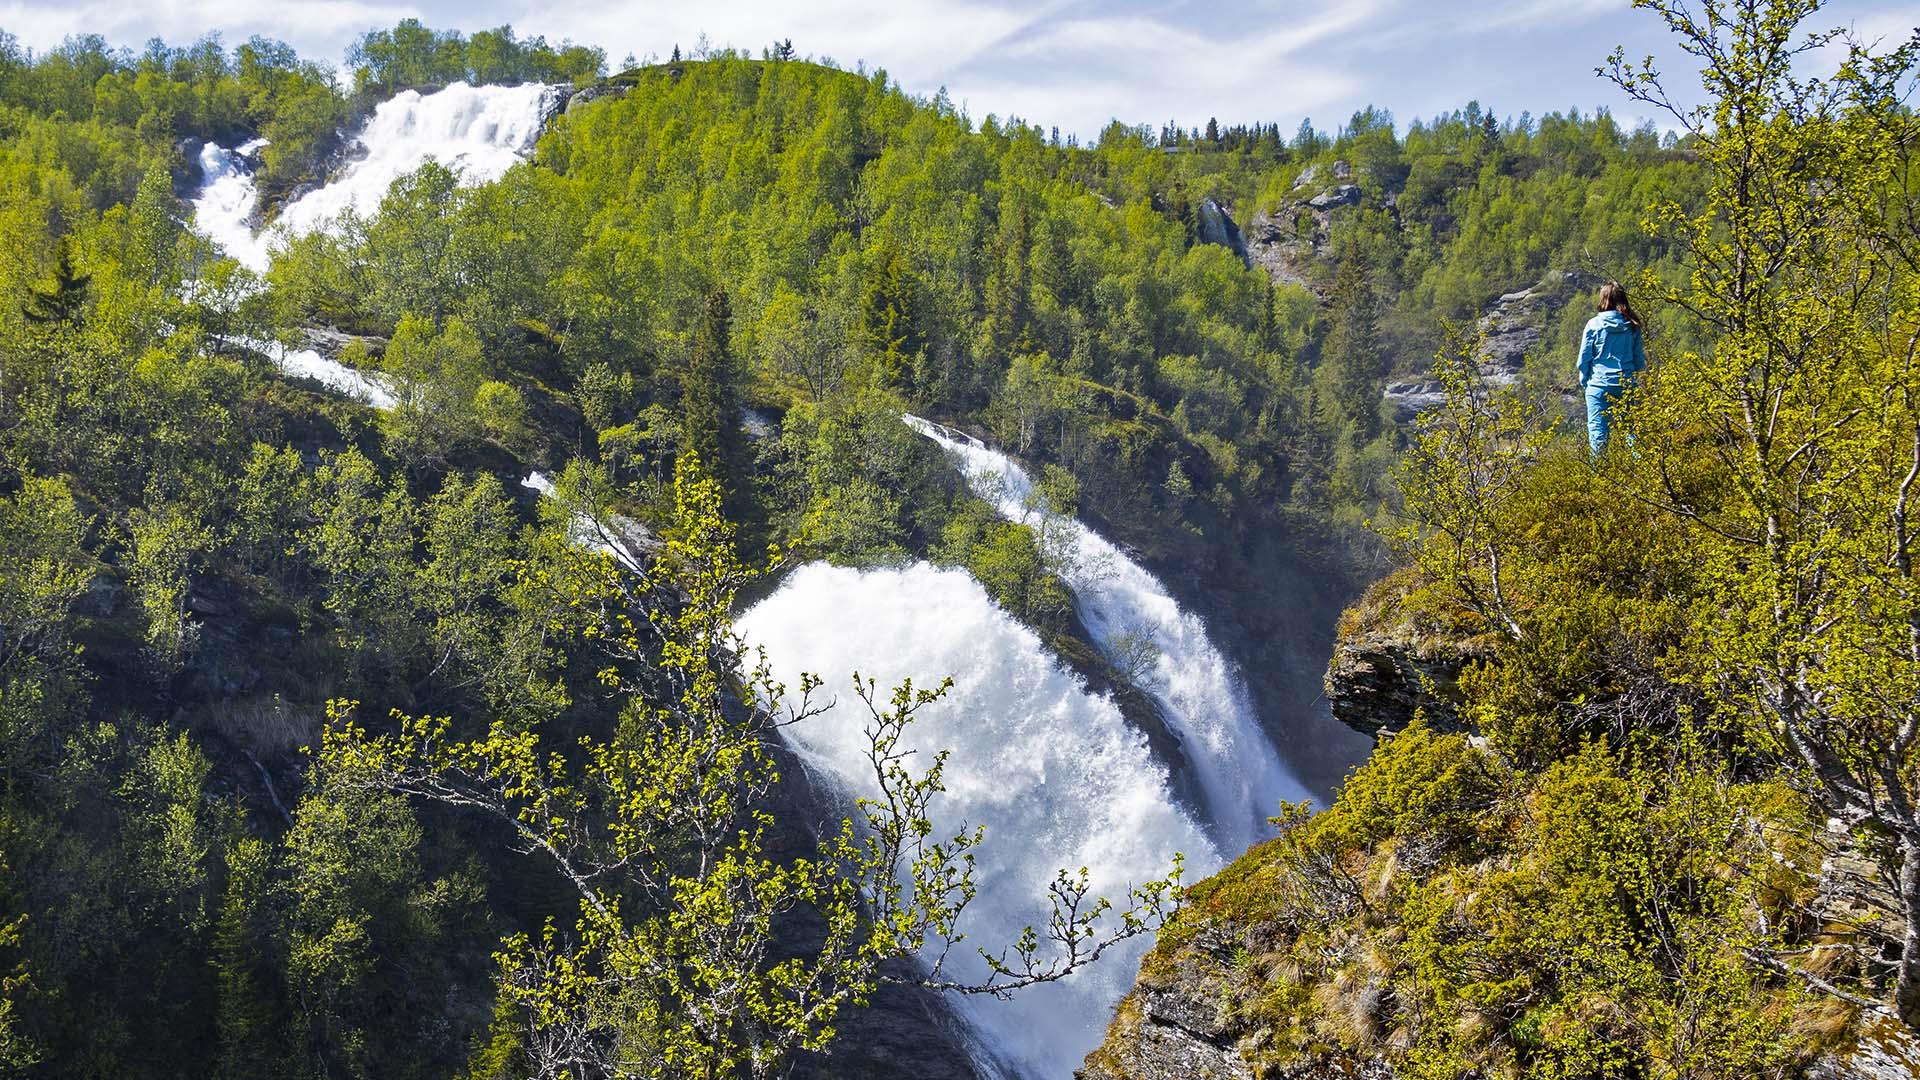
(1613, 297)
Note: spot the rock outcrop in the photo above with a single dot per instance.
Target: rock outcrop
(1217, 227)
(1386, 666)
(1510, 330)
(1286, 241)
(1222, 998)
(1274, 245)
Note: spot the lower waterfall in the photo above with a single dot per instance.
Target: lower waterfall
(1055, 773)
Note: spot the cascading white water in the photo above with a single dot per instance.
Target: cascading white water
(364, 387)
(1202, 698)
(478, 131)
(1055, 773)
(620, 536)
(223, 209)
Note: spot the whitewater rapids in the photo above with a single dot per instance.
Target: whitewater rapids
(1200, 694)
(1055, 773)
(478, 131)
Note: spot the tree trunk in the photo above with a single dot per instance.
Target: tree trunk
(1906, 989)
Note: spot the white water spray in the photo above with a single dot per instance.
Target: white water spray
(1055, 773)
(478, 131)
(223, 209)
(1124, 606)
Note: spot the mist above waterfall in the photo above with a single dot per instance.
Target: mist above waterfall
(1053, 771)
(478, 131)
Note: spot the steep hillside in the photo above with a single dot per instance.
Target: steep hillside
(337, 742)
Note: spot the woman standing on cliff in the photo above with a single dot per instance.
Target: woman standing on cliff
(1612, 356)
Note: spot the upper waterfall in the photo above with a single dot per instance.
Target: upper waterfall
(478, 131)
(1203, 698)
(1055, 773)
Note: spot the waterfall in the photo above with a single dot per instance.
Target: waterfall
(1129, 611)
(224, 208)
(478, 131)
(1055, 773)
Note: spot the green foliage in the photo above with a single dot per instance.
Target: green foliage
(663, 834)
(1732, 577)
(1458, 916)
(411, 55)
(166, 546)
(439, 377)
(819, 246)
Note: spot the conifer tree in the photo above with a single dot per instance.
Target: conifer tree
(1352, 363)
(60, 304)
(710, 395)
(244, 1021)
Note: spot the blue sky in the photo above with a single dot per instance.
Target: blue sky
(1056, 62)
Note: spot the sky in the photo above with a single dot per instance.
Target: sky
(1075, 65)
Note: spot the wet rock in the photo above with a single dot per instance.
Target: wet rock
(1217, 227)
(331, 343)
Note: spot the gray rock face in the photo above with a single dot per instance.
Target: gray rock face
(1511, 328)
(588, 95)
(1410, 399)
(1273, 247)
(1379, 677)
(1344, 195)
(1180, 1036)
(1217, 227)
(1885, 1051)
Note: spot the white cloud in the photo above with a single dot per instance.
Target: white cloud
(320, 29)
(1071, 63)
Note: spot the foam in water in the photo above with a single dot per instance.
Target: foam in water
(1055, 773)
(478, 131)
(223, 210)
(621, 537)
(1199, 693)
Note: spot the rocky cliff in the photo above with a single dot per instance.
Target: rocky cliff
(1289, 963)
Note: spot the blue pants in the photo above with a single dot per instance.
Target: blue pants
(1600, 405)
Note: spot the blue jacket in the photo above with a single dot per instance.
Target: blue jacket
(1611, 351)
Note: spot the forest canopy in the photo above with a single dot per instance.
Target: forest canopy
(294, 692)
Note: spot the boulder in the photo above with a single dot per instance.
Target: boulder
(1217, 227)
(1344, 195)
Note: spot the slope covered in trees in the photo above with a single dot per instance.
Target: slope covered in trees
(199, 556)
(1655, 819)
